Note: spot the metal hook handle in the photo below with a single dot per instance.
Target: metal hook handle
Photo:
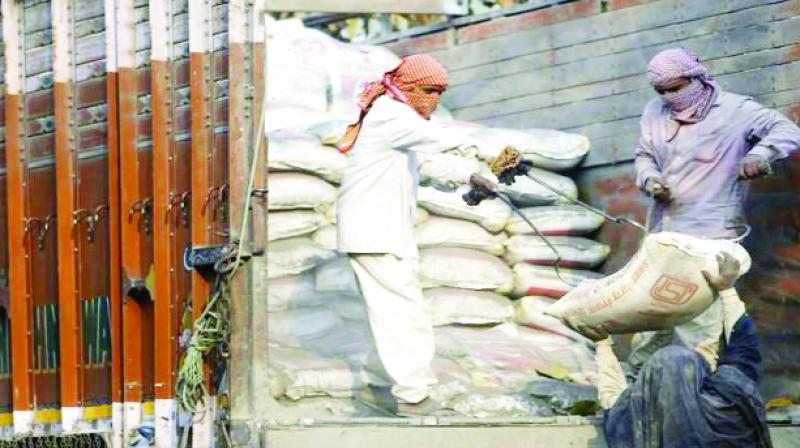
(144, 207)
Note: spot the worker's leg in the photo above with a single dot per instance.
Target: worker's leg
(400, 324)
(703, 332)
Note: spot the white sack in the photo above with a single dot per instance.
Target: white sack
(532, 280)
(439, 231)
(464, 268)
(337, 276)
(297, 373)
(293, 256)
(660, 287)
(420, 216)
(574, 251)
(308, 157)
(282, 117)
(526, 192)
(310, 322)
(492, 214)
(326, 237)
(545, 148)
(556, 220)
(444, 170)
(467, 307)
(293, 223)
(294, 191)
(530, 312)
(330, 131)
(294, 291)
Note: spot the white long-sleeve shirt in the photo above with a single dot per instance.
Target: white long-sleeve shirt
(377, 196)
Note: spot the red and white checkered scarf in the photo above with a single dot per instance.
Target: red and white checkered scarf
(400, 83)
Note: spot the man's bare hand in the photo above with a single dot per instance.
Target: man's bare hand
(656, 188)
(752, 166)
(728, 272)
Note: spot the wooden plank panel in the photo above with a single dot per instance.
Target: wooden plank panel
(597, 69)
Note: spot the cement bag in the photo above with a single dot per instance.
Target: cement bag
(337, 276)
(307, 157)
(575, 252)
(292, 223)
(291, 116)
(530, 312)
(294, 291)
(441, 232)
(466, 307)
(446, 171)
(420, 216)
(463, 268)
(545, 148)
(326, 237)
(660, 287)
(526, 192)
(294, 256)
(491, 214)
(329, 132)
(297, 373)
(532, 280)
(312, 322)
(293, 191)
(556, 220)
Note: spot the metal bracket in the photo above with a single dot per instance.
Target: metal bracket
(217, 197)
(184, 203)
(144, 207)
(92, 217)
(39, 227)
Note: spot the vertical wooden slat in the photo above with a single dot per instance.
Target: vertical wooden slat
(240, 137)
(202, 175)
(114, 225)
(135, 220)
(19, 272)
(166, 219)
(71, 341)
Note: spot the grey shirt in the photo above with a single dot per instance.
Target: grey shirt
(700, 163)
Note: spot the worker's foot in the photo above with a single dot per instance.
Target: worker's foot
(379, 399)
(426, 407)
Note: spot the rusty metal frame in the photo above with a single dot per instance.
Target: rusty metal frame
(67, 181)
(18, 241)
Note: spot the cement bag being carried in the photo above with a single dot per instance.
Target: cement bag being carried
(530, 312)
(294, 291)
(545, 148)
(466, 307)
(660, 287)
(448, 232)
(556, 220)
(445, 170)
(532, 280)
(294, 256)
(491, 214)
(575, 252)
(526, 192)
(297, 373)
(464, 268)
(308, 157)
(296, 191)
(293, 223)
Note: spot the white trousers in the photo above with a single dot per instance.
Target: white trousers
(399, 320)
(701, 334)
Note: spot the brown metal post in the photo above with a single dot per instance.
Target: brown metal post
(167, 200)
(71, 341)
(136, 227)
(17, 179)
(114, 225)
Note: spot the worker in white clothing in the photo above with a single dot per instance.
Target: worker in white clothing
(375, 219)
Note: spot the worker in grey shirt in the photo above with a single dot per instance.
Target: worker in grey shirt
(697, 144)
